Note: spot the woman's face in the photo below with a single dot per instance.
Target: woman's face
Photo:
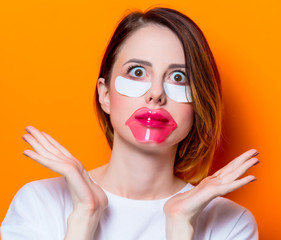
(150, 55)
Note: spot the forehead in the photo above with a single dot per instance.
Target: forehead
(155, 43)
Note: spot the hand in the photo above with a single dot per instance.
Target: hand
(188, 205)
(86, 195)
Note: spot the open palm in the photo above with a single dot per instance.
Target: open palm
(189, 204)
(51, 154)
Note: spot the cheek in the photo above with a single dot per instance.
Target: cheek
(187, 118)
(121, 108)
(117, 107)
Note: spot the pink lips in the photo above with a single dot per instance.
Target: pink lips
(151, 125)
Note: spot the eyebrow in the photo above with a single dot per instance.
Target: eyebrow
(174, 65)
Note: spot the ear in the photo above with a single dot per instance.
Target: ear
(103, 95)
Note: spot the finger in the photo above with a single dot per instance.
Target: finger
(244, 157)
(232, 176)
(42, 140)
(234, 164)
(46, 162)
(238, 184)
(58, 145)
(38, 147)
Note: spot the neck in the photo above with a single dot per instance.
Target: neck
(139, 173)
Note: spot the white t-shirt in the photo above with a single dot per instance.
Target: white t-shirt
(40, 210)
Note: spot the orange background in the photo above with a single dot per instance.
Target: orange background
(50, 52)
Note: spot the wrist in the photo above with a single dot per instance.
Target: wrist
(82, 225)
(179, 228)
(84, 215)
(86, 210)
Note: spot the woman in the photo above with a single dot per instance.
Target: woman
(158, 99)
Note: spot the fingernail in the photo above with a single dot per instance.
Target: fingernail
(255, 154)
(253, 180)
(256, 163)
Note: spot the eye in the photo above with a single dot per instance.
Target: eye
(136, 71)
(178, 77)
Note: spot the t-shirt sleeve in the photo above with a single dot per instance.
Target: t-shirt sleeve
(245, 228)
(24, 217)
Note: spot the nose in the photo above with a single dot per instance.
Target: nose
(156, 93)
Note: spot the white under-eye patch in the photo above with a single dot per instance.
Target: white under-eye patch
(177, 92)
(132, 88)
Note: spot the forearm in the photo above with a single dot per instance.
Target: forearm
(81, 225)
(178, 229)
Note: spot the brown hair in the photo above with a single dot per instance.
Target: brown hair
(196, 151)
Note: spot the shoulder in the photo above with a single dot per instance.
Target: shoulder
(51, 189)
(225, 219)
(53, 186)
(40, 195)
(39, 210)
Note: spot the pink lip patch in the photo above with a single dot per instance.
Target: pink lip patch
(151, 125)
